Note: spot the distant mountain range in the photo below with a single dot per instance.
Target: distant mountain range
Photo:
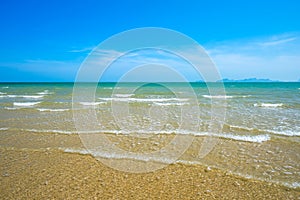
(248, 80)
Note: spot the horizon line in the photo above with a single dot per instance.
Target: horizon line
(233, 81)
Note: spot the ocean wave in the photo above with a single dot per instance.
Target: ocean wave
(11, 108)
(72, 150)
(263, 131)
(110, 88)
(268, 105)
(143, 100)
(3, 129)
(217, 97)
(24, 96)
(224, 96)
(49, 131)
(91, 103)
(2, 93)
(52, 110)
(5, 87)
(45, 92)
(246, 138)
(32, 96)
(170, 103)
(127, 155)
(238, 127)
(284, 133)
(25, 104)
(123, 95)
(62, 102)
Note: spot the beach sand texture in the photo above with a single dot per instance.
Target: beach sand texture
(46, 173)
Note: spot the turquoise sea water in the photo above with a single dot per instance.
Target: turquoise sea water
(260, 131)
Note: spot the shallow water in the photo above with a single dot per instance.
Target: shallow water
(258, 138)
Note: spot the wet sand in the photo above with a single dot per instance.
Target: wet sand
(54, 174)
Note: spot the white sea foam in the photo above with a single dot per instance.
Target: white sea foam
(287, 184)
(217, 97)
(270, 105)
(72, 150)
(11, 108)
(273, 132)
(2, 93)
(123, 95)
(127, 155)
(224, 96)
(91, 103)
(5, 87)
(51, 110)
(240, 127)
(107, 88)
(170, 103)
(24, 96)
(3, 129)
(50, 131)
(32, 96)
(45, 92)
(143, 100)
(25, 104)
(73, 132)
(245, 138)
(62, 102)
(285, 133)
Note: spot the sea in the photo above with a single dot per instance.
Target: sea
(252, 130)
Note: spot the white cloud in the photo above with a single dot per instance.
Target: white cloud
(276, 57)
(277, 42)
(86, 49)
(129, 61)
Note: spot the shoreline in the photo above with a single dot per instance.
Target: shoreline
(55, 174)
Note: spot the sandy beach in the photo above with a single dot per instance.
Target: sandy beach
(50, 174)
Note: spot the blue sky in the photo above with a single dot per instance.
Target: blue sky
(48, 40)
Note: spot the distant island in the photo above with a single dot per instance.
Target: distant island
(248, 80)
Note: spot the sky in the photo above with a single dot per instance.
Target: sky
(47, 40)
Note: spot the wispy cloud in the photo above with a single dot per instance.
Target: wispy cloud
(275, 57)
(121, 64)
(277, 42)
(82, 50)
